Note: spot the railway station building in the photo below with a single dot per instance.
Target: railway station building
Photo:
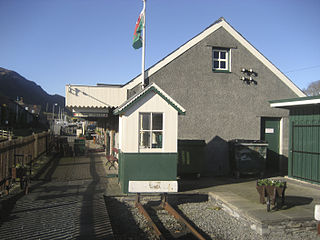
(223, 83)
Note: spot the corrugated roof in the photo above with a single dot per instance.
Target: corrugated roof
(88, 106)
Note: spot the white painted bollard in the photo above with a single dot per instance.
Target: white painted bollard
(317, 216)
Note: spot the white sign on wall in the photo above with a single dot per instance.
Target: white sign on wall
(269, 130)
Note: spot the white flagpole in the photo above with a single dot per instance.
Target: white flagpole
(143, 44)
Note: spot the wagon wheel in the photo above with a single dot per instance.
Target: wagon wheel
(278, 202)
(268, 203)
(21, 182)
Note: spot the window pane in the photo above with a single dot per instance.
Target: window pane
(222, 64)
(215, 54)
(157, 121)
(215, 64)
(156, 139)
(223, 55)
(145, 121)
(144, 140)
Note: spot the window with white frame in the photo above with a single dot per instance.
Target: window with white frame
(150, 130)
(220, 59)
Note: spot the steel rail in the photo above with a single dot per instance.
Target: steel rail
(177, 216)
(146, 215)
(166, 206)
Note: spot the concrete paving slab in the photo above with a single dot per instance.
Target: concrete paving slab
(240, 199)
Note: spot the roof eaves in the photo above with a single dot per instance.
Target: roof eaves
(87, 106)
(153, 87)
(292, 102)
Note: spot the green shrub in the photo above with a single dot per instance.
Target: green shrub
(271, 182)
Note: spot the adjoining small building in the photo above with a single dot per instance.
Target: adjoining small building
(304, 137)
(148, 138)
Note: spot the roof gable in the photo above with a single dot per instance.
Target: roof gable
(221, 22)
(151, 88)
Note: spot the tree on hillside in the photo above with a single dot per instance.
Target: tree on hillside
(313, 89)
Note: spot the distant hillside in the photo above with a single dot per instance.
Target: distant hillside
(14, 85)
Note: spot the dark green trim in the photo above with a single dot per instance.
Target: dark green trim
(295, 99)
(131, 102)
(221, 71)
(146, 167)
(168, 101)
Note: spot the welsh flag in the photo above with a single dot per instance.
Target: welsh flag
(137, 39)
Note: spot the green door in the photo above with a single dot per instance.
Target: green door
(270, 132)
(304, 158)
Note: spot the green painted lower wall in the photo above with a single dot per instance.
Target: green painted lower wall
(304, 145)
(146, 167)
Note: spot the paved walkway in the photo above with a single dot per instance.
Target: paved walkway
(241, 199)
(65, 203)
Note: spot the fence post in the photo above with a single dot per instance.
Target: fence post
(111, 141)
(47, 142)
(36, 136)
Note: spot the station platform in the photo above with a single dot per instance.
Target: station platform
(240, 198)
(68, 199)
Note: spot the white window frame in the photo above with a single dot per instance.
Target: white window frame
(150, 149)
(227, 60)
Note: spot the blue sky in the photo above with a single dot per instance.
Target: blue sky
(57, 42)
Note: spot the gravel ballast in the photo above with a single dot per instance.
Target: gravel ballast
(206, 216)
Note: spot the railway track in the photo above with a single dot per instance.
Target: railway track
(179, 229)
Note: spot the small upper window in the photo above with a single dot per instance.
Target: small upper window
(220, 60)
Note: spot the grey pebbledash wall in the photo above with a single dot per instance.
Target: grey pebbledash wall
(219, 106)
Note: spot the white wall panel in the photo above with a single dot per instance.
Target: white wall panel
(94, 96)
(130, 124)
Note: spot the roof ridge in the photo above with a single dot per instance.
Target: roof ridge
(234, 33)
(221, 19)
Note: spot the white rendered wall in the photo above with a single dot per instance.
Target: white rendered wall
(129, 124)
(95, 96)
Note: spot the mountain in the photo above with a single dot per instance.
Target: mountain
(13, 85)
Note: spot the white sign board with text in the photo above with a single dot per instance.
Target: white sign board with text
(153, 186)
